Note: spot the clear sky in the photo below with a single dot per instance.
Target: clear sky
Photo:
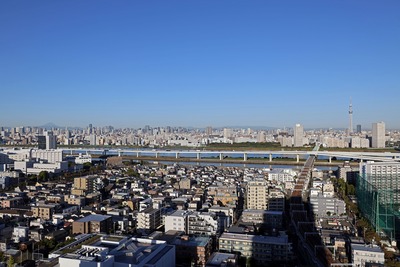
(199, 63)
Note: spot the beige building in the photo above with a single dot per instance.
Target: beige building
(12, 202)
(75, 200)
(85, 183)
(257, 195)
(92, 224)
(227, 195)
(43, 211)
(149, 219)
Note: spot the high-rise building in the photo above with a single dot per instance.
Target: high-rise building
(209, 130)
(298, 135)
(227, 133)
(378, 195)
(41, 142)
(51, 140)
(257, 195)
(358, 128)
(378, 135)
(93, 140)
(261, 137)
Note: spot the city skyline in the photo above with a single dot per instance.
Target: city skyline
(199, 64)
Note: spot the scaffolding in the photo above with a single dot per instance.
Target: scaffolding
(378, 198)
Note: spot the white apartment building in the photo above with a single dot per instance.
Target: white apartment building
(282, 175)
(298, 135)
(362, 254)
(358, 142)
(203, 223)
(177, 221)
(378, 135)
(382, 175)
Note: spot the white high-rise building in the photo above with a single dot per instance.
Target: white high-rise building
(383, 176)
(51, 140)
(378, 135)
(298, 135)
(93, 140)
(227, 133)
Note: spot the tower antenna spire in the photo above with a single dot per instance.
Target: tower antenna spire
(350, 130)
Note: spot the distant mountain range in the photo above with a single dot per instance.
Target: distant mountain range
(49, 125)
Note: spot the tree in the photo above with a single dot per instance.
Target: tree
(132, 173)
(11, 261)
(43, 176)
(87, 165)
(351, 190)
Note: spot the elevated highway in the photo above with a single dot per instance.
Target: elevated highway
(269, 155)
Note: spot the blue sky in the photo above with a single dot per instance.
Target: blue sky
(199, 63)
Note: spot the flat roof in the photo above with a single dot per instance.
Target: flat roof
(94, 217)
(368, 248)
(199, 241)
(256, 238)
(217, 258)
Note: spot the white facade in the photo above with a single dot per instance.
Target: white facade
(134, 252)
(51, 140)
(177, 221)
(379, 168)
(378, 135)
(81, 159)
(49, 167)
(203, 223)
(20, 233)
(357, 142)
(298, 135)
(382, 175)
(362, 254)
(282, 175)
(52, 156)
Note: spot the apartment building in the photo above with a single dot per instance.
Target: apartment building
(257, 195)
(149, 219)
(43, 211)
(365, 255)
(93, 223)
(263, 249)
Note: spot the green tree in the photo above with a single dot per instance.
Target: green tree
(43, 176)
(131, 172)
(351, 190)
(87, 165)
